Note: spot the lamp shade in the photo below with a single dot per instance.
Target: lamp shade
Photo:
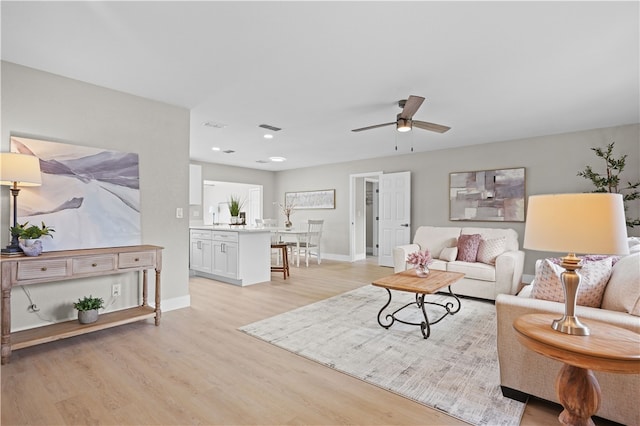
(20, 168)
(591, 223)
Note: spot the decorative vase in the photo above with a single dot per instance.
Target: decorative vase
(234, 220)
(422, 270)
(88, 317)
(31, 246)
(288, 224)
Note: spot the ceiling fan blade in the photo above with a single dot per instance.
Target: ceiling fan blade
(373, 127)
(411, 106)
(430, 126)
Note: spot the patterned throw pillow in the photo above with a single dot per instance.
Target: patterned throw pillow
(595, 274)
(468, 247)
(490, 249)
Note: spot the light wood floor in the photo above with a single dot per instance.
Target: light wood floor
(196, 368)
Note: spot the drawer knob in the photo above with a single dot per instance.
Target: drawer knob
(94, 265)
(44, 268)
(136, 260)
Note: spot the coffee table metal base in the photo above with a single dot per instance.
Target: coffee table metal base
(450, 308)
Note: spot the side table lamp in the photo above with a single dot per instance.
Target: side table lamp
(18, 170)
(590, 223)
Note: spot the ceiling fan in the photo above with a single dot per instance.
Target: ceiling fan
(404, 121)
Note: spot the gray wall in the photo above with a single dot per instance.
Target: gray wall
(551, 162)
(46, 106)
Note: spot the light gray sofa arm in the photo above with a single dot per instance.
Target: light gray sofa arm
(525, 371)
(509, 269)
(400, 254)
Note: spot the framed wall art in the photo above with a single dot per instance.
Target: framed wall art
(487, 195)
(324, 199)
(90, 196)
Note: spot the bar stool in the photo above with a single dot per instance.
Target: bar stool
(284, 268)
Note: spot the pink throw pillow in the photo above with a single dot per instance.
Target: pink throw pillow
(594, 275)
(468, 247)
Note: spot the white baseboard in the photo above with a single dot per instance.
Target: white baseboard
(174, 303)
(338, 257)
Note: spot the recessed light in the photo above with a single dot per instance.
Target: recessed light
(215, 148)
(277, 159)
(268, 136)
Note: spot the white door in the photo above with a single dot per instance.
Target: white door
(394, 226)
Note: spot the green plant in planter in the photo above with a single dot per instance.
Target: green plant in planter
(611, 182)
(31, 232)
(235, 204)
(89, 303)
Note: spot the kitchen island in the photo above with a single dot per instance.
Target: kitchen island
(236, 255)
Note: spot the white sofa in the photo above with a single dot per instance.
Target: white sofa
(482, 280)
(524, 372)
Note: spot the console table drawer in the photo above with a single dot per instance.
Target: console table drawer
(42, 269)
(136, 259)
(86, 265)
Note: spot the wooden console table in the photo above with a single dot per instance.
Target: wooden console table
(609, 348)
(71, 264)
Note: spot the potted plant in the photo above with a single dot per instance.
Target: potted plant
(29, 237)
(611, 182)
(88, 309)
(32, 232)
(235, 204)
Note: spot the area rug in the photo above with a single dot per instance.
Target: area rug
(455, 370)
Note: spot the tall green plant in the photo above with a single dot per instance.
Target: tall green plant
(235, 204)
(611, 182)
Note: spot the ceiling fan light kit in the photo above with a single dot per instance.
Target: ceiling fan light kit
(403, 125)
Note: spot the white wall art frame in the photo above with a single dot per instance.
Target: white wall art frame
(323, 199)
(90, 196)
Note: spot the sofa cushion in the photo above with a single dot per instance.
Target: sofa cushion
(468, 247)
(435, 238)
(438, 265)
(448, 254)
(594, 275)
(488, 250)
(473, 270)
(623, 290)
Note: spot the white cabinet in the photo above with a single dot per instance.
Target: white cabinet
(225, 254)
(200, 256)
(241, 257)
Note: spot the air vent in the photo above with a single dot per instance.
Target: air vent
(228, 151)
(268, 127)
(214, 125)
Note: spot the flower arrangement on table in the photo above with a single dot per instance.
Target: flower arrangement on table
(287, 210)
(421, 260)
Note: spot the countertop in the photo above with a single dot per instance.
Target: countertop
(229, 228)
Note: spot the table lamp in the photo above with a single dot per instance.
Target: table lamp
(18, 170)
(591, 223)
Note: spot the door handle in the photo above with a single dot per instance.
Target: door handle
(406, 225)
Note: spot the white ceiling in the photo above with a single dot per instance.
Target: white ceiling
(492, 71)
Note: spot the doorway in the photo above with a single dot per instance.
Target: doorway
(363, 213)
